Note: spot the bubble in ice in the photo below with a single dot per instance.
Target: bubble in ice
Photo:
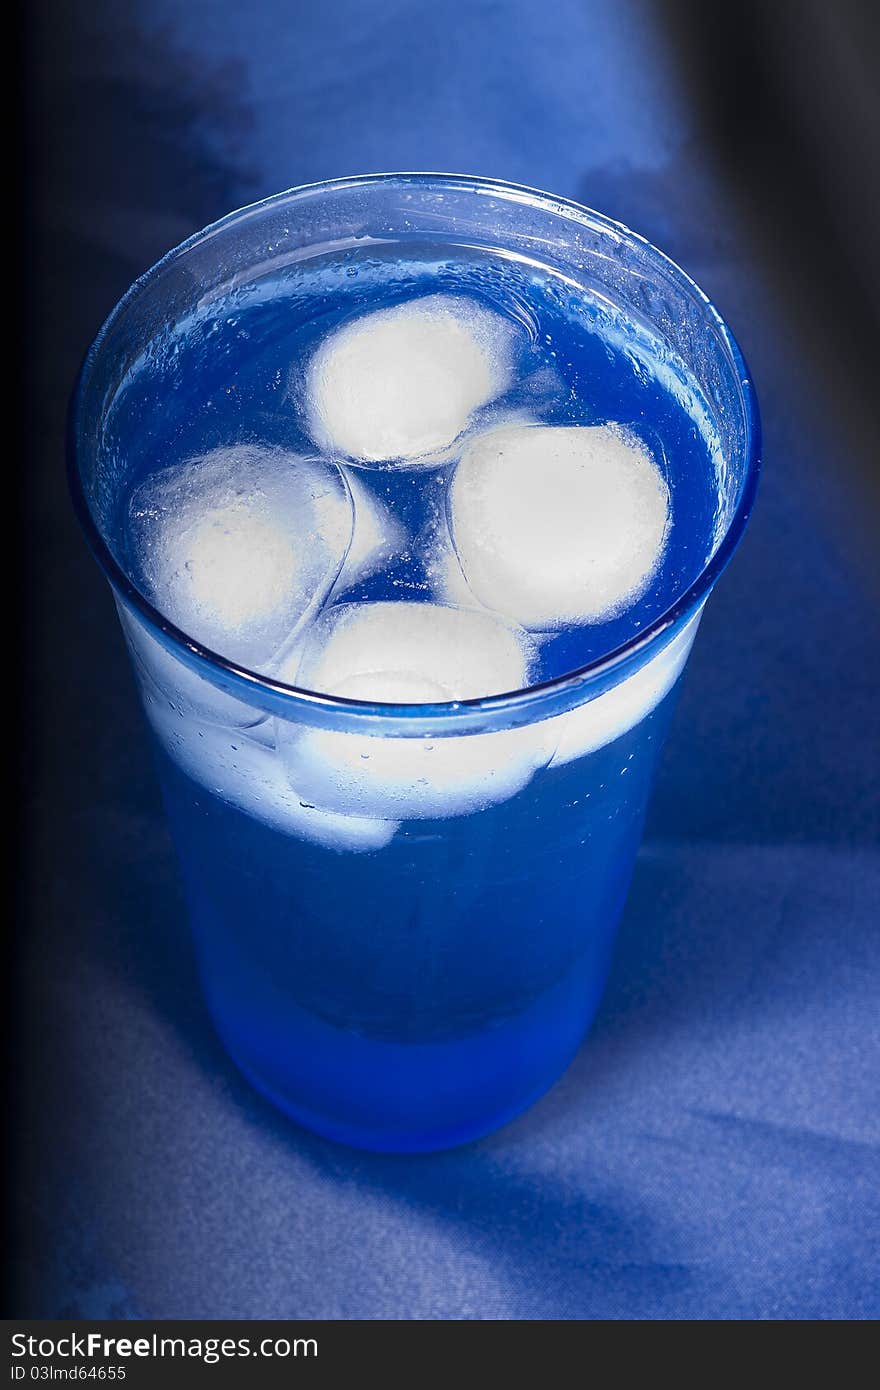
(243, 769)
(403, 382)
(557, 525)
(407, 653)
(239, 546)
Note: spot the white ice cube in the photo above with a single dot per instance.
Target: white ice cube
(406, 653)
(401, 383)
(239, 546)
(558, 525)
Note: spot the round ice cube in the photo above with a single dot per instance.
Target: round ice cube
(400, 383)
(557, 525)
(411, 653)
(239, 546)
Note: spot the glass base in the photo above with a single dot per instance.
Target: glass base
(414, 1097)
(381, 1142)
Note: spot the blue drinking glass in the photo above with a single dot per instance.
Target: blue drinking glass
(411, 981)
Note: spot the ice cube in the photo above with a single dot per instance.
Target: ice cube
(238, 547)
(406, 653)
(401, 383)
(558, 525)
(245, 771)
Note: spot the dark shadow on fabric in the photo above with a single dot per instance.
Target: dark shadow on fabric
(790, 101)
(131, 145)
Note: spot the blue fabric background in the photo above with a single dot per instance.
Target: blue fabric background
(714, 1152)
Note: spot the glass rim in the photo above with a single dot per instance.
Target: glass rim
(599, 671)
